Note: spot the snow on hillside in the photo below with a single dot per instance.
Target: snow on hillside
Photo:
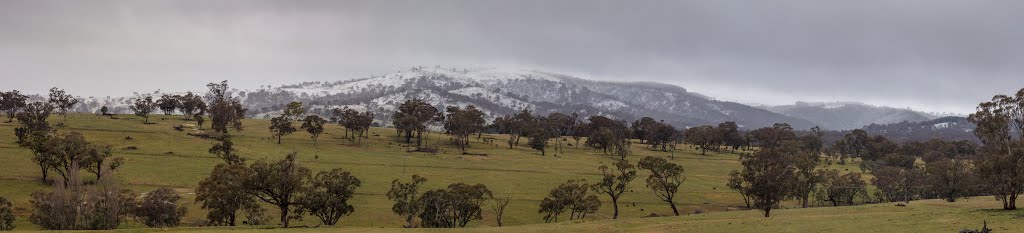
(496, 98)
(498, 92)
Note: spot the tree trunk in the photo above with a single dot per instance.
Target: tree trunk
(409, 221)
(1010, 202)
(615, 205)
(279, 139)
(674, 210)
(500, 213)
(99, 172)
(419, 139)
(231, 219)
(284, 215)
(45, 172)
(767, 212)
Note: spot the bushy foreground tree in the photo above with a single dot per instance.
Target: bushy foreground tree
(143, 107)
(407, 199)
(314, 125)
(615, 182)
(223, 194)
(664, 180)
(11, 102)
(328, 195)
(412, 119)
(570, 196)
(771, 177)
(63, 101)
(1001, 129)
(159, 209)
(453, 207)
(224, 110)
(280, 184)
(281, 126)
(461, 123)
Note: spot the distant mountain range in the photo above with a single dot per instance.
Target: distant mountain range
(848, 115)
(500, 91)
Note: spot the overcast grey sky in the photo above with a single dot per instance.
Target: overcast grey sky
(933, 55)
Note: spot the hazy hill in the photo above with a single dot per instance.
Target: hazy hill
(848, 115)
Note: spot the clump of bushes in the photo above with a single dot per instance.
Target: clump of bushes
(159, 208)
(6, 215)
(72, 206)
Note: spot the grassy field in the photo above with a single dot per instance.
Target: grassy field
(168, 158)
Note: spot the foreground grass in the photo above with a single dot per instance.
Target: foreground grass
(919, 216)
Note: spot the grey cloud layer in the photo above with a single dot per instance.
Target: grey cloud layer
(935, 55)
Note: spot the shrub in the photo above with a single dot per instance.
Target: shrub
(6, 215)
(159, 208)
(73, 207)
(256, 215)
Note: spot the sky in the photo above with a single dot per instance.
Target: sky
(929, 55)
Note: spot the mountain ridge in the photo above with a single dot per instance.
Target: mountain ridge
(846, 115)
(501, 92)
(506, 91)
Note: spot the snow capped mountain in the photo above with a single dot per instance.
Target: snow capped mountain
(498, 92)
(848, 115)
(506, 91)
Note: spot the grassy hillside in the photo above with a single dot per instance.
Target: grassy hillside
(168, 158)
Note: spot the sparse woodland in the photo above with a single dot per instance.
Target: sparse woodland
(777, 164)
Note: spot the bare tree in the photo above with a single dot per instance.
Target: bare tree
(499, 205)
